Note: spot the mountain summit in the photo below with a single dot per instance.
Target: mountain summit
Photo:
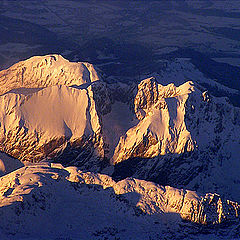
(53, 111)
(46, 71)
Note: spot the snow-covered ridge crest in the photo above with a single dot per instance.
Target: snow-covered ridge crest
(150, 93)
(44, 71)
(41, 189)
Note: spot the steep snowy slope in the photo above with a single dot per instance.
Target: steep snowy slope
(44, 71)
(39, 202)
(38, 125)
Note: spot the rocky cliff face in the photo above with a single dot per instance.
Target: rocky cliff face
(161, 128)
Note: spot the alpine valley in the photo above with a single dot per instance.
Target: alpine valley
(83, 157)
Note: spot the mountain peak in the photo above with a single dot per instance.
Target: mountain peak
(44, 71)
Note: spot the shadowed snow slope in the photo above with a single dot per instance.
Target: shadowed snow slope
(8, 164)
(41, 201)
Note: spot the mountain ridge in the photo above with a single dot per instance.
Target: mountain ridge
(37, 189)
(171, 135)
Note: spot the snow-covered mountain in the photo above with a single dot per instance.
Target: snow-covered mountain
(161, 128)
(167, 134)
(172, 135)
(47, 119)
(185, 137)
(50, 70)
(52, 202)
(36, 126)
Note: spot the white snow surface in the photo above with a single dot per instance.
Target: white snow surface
(51, 202)
(50, 113)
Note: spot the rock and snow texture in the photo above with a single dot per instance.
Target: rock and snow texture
(38, 125)
(161, 128)
(173, 135)
(199, 143)
(45, 71)
(179, 136)
(41, 113)
(43, 201)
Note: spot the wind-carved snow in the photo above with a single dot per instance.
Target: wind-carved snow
(62, 112)
(84, 205)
